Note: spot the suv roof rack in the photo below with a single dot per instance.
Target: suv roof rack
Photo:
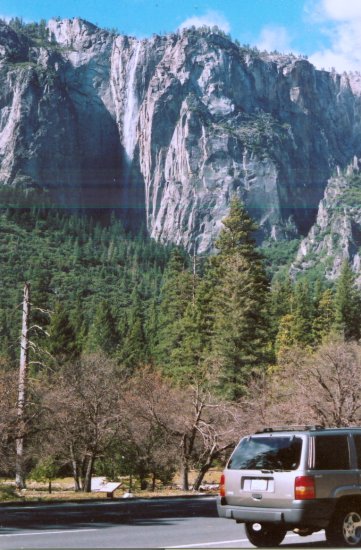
(291, 428)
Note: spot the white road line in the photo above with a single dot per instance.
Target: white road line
(195, 545)
(48, 533)
(201, 544)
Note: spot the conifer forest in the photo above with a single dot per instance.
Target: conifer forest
(146, 361)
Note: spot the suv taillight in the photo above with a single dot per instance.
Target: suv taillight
(222, 487)
(305, 488)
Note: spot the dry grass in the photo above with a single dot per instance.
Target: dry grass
(63, 490)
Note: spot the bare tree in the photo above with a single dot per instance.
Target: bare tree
(146, 406)
(22, 389)
(275, 398)
(218, 429)
(331, 384)
(323, 387)
(83, 406)
(190, 418)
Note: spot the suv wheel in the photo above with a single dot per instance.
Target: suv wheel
(345, 528)
(265, 535)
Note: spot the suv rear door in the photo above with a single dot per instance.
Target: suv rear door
(357, 443)
(262, 470)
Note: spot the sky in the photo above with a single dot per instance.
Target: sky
(327, 31)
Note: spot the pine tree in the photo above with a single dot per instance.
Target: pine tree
(41, 285)
(103, 334)
(133, 351)
(285, 337)
(238, 235)
(78, 321)
(151, 326)
(325, 316)
(62, 341)
(281, 298)
(6, 357)
(189, 359)
(303, 313)
(347, 305)
(176, 294)
(241, 330)
(281, 301)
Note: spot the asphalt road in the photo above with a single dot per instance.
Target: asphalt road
(155, 523)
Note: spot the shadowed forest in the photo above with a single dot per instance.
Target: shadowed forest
(145, 361)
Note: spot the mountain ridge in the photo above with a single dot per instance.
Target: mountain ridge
(166, 130)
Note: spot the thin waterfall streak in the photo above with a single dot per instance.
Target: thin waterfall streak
(131, 106)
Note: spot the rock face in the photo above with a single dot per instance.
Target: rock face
(167, 129)
(336, 234)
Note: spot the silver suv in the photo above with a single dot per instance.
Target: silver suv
(304, 479)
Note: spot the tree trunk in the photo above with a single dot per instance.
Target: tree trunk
(213, 454)
(201, 473)
(75, 469)
(185, 475)
(153, 481)
(23, 373)
(88, 475)
(185, 465)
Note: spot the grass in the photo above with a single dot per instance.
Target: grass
(62, 490)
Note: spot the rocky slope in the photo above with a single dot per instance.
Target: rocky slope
(169, 128)
(336, 234)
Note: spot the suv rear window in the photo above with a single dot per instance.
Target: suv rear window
(267, 453)
(332, 452)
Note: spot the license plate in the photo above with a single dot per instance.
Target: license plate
(259, 484)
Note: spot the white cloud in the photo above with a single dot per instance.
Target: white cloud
(341, 22)
(274, 38)
(209, 19)
(341, 10)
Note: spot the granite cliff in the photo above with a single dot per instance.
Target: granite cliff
(336, 235)
(165, 130)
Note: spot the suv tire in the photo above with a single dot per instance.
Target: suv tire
(345, 528)
(265, 535)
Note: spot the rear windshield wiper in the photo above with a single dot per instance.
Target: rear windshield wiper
(275, 470)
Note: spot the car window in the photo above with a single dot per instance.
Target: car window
(331, 452)
(269, 453)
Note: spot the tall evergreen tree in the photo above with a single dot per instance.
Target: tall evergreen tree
(281, 298)
(6, 354)
(190, 357)
(151, 326)
(347, 305)
(176, 294)
(325, 316)
(133, 351)
(78, 321)
(241, 330)
(103, 335)
(303, 313)
(62, 342)
(285, 336)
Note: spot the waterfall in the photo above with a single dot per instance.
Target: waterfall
(131, 106)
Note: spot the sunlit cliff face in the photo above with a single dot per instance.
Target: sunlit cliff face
(169, 128)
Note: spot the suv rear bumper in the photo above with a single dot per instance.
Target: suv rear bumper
(312, 513)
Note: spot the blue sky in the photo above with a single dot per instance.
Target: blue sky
(328, 31)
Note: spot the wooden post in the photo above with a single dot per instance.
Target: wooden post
(23, 373)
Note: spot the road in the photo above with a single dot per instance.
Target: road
(155, 523)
